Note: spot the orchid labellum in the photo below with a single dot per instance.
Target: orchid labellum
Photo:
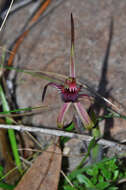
(70, 91)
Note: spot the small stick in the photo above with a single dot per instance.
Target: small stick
(59, 133)
(16, 6)
(6, 15)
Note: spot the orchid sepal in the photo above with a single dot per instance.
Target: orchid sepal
(63, 111)
(72, 56)
(87, 122)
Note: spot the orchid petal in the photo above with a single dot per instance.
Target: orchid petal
(62, 113)
(88, 124)
(72, 64)
(50, 84)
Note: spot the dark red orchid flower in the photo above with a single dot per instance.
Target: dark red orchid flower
(71, 91)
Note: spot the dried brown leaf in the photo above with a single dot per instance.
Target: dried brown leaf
(45, 171)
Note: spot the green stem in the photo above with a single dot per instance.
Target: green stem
(11, 132)
(96, 150)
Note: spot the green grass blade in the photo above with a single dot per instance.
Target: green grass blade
(11, 132)
(50, 76)
(26, 111)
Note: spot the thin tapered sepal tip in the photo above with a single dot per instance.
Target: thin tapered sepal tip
(72, 30)
(50, 84)
(72, 61)
(44, 92)
(45, 89)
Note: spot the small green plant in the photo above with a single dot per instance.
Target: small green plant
(101, 176)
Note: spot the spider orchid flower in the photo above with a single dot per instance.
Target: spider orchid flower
(71, 92)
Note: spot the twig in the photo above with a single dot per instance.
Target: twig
(34, 139)
(100, 96)
(122, 181)
(16, 6)
(67, 179)
(56, 132)
(26, 161)
(6, 15)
